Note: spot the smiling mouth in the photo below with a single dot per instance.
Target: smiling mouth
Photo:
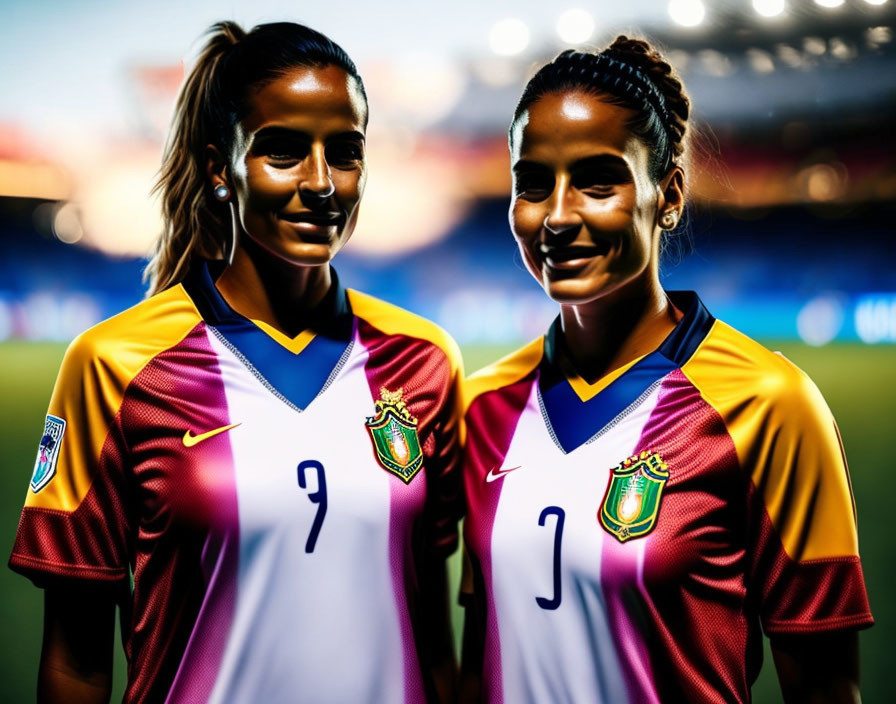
(573, 256)
(315, 226)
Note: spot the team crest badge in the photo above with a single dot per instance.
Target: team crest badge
(47, 453)
(393, 431)
(632, 501)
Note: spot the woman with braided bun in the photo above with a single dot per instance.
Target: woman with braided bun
(257, 465)
(648, 490)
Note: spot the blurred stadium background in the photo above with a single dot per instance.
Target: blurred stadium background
(793, 191)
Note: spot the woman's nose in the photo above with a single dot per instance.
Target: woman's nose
(316, 185)
(561, 221)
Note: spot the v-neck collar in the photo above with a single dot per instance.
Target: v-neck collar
(334, 311)
(296, 369)
(576, 410)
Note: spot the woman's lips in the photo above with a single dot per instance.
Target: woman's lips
(319, 227)
(571, 256)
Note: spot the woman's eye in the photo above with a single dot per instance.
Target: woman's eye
(284, 152)
(597, 189)
(533, 186)
(599, 182)
(344, 153)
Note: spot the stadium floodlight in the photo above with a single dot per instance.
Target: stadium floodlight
(829, 3)
(769, 8)
(575, 26)
(875, 2)
(687, 13)
(509, 37)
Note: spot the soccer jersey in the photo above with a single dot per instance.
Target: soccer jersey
(629, 538)
(273, 498)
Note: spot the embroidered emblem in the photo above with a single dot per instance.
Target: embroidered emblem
(47, 453)
(393, 431)
(632, 500)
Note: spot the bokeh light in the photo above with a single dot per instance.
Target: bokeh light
(20, 179)
(820, 320)
(760, 61)
(67, 224)
(509, 37)
(687, 13)
(769, 8)
(875, 319)
(575, 26)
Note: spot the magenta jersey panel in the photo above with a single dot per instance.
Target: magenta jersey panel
(187, 535)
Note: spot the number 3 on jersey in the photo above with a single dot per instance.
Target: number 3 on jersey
(554, 601)
(319, 497)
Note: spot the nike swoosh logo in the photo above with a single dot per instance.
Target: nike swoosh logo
(190, 439)
(498, 473)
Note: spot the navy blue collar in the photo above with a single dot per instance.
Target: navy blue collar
(296, 377)
(678, 346)
(574, 421)
(332, 316)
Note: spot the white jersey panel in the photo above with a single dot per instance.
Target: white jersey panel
(339, 596)
(550, 488)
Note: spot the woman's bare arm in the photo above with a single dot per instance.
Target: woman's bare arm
(818, 668)
(76, 658)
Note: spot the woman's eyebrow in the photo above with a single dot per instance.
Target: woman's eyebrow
(588, 162)
(348, 135)
(601, 160)
(279, 131)
(524, 164)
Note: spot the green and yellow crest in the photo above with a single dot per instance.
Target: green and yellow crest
(393, 431)
(632, 501)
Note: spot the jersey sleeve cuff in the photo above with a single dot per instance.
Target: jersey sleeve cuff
(840, 623)
(816, 596)
(41, 571)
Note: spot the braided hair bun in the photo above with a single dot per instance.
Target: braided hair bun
(630, 73)
(642, 55)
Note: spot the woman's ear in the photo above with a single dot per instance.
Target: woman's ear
(671, 198)
(216, 170)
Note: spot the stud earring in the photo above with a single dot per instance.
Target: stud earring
(222, 192)
(669, 221)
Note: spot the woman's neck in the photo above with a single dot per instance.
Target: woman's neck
(605, 334)
(263, 288)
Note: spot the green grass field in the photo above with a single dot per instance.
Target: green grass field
(858, 382)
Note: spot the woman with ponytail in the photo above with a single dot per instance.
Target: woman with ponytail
(648, 490)
(257, 465)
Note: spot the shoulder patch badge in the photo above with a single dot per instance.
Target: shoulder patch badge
(393, 431)
(47, 453)
(632, 500)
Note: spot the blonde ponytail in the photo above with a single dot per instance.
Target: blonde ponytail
(194, 223)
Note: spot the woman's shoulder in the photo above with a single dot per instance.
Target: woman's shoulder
(137, 334)
(505, 372)
(391, 320)
(731, 369)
